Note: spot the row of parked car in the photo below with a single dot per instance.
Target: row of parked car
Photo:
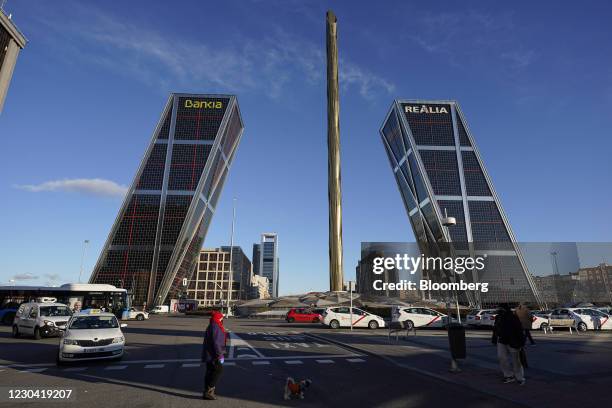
(417, 317)
(585, 318)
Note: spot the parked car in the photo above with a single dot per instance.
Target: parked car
(488, 318)
(91, 335)
(539, 320)
(160, 309)
(302, 315)
(586, 318)
(133, 314)
(40, 319)
(413, 317)
(474, 318)
(7, 312)
(336, 317)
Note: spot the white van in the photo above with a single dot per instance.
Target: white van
(160, 309)
(41, 319)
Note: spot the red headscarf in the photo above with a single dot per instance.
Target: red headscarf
(216, 318)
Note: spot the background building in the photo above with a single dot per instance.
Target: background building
(11, 42)
(256, 258)
(155, 240)
(241, 268)
(268, 261)
(258, 288)
(209, 283)
(365, 269)
(439, 171)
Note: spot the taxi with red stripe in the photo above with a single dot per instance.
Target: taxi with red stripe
(413, 317)
(586, 318)
(336, 317)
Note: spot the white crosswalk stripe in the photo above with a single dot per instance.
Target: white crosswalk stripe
(155, 366)
(261, 363)
(325, 361)
(116, 367)
(189, 365)
(355, 360)
(293, 362)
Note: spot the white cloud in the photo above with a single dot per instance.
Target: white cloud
(24, 277)
(268, 65)
(94, 186)
(469, 38)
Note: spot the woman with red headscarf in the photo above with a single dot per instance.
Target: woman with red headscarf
(213, 353)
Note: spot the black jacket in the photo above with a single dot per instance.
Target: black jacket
(508, 330)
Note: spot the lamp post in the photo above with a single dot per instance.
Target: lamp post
(83, 258)
(230, 278)
(456, 334)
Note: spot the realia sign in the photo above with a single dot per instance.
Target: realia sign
(425, 109)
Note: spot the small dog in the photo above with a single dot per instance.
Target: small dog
(295, 389)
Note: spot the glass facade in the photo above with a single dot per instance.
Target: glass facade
(154, 244)
(439, 172)
(267, 257)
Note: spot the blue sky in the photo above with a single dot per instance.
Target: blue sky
(534, 80)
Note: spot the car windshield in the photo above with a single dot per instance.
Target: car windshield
(94, 322)
(51, 311)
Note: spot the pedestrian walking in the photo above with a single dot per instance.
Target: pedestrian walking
(524, 315)
(509, 336)
(213, 353)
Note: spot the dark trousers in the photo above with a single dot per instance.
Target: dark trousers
(213, 372)
(528, 336)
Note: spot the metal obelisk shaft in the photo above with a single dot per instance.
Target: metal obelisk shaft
(336, 278)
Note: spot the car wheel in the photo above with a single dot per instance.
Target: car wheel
(582, 327)
(291, 320)
(373, 324)
(334, 324)
(543, 326)
(140, 317)
(15, 331)
(409, 325)
(37, 333)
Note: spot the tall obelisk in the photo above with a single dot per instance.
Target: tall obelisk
(336, 278)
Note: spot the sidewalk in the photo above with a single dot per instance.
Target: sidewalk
(549, 383)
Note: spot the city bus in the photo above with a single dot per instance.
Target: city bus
(77, 296)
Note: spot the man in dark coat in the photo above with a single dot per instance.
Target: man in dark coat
(213, 353)
(509, 337)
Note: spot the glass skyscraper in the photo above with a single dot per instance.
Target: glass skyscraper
(439, 172)
(11, 42)
(155, 240)
(267, 254)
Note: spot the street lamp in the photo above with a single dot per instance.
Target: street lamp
(83, 258)
(230, 277)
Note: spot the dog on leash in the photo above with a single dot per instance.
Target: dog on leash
(295, 389)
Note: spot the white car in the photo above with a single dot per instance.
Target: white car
(91, 335)
(413, 317)
(160, 309)
(336, 317)
(488, 318)
(474, 318)
(586, 318)
(133, 314)
(44, 319)
(539, 320)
